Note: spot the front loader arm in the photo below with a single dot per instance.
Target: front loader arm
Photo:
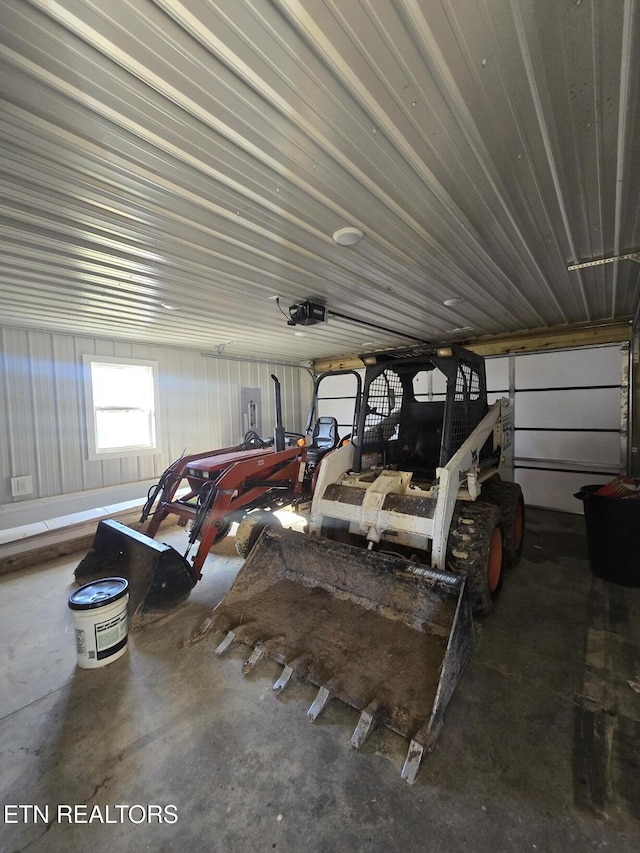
(463, 465)
(170, 480)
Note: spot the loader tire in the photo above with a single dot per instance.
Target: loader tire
(475, 549)
(250, 528)
(508, 498)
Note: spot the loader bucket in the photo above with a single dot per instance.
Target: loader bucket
(383, 635)
(159, 577)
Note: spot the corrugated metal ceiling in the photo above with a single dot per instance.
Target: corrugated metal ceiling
(200, 155)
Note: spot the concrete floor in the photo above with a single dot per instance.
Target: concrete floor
(540, 750)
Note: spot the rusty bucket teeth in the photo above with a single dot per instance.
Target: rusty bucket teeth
(226, 644)
(202, 632)
(319, 703)
(285, 677)
(256, 656)
(366, 724)
(424, 740)
(297, 669)
(412, 762)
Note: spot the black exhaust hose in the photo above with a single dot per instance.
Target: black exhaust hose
(278, 433)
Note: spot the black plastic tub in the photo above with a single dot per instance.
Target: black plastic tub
(613, 535)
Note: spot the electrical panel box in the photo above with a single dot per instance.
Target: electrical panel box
(250, 411)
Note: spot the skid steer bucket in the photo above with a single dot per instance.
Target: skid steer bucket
(387, 637)
(159, 577)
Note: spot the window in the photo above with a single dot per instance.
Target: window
(120, 396)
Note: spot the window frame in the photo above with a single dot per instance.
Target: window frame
(94, 454)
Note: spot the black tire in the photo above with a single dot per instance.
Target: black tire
(250, 528)
(508, 498)
(475, 549)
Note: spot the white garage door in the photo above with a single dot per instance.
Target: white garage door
(568, 419)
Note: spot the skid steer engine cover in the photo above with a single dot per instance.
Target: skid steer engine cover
(374, 630)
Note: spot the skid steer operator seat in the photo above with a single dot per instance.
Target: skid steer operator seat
(323, 439)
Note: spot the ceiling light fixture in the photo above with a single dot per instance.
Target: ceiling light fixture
(455, 300)
(348, 236)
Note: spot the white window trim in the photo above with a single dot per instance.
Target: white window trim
(93, 453)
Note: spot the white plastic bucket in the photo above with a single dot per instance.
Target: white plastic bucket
(100, 619)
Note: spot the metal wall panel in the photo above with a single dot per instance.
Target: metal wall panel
(42, 421)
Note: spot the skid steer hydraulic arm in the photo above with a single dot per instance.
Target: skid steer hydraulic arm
(463, 468)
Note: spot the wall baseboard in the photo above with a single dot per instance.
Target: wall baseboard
(24, 512)
(77, 539)
(27, 552)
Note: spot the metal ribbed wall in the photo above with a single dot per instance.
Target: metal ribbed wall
(42, 415)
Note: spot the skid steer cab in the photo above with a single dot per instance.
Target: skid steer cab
(208, 491)
(411, 527)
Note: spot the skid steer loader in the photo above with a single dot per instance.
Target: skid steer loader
(410, 528)
(244, 483)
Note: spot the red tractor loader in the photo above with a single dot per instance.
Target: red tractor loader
(243, 483)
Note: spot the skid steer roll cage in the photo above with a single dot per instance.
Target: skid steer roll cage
(390, 375)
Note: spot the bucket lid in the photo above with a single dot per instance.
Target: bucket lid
(98, 593)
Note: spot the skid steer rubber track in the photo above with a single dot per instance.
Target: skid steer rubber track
(475, 549)
(159, 577)
(387, 637)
